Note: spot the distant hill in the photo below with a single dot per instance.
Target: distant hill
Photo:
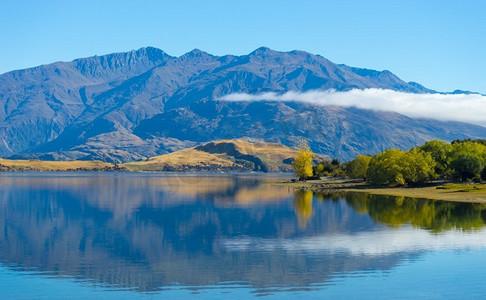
(223, 155)
(217, 156)
(129, 106)
(7, 165)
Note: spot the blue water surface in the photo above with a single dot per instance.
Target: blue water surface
(173, 236)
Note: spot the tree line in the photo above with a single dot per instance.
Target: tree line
(459, 160)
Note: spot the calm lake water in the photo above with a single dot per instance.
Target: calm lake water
(126, 236)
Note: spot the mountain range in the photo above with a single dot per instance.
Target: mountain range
(129, 106)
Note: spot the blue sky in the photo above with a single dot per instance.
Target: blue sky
(439, 44)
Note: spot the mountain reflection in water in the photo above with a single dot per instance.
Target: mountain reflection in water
(149, 232)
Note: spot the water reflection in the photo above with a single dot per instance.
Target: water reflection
(151, 232)
(303, 206)
(436, 216)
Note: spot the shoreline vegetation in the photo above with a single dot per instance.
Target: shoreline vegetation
(440, 190)
(436, 170)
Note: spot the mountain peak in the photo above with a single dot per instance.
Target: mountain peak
(152, 53)
(197, 53)
(263, 51)
(116, 65)
(462, 92)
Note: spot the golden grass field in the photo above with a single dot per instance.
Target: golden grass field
(186, 157)
(271, 154)
(215, 157)
(51, 166)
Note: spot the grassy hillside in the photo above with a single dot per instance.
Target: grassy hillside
(218, 156)
(51, 166)
(223, 155)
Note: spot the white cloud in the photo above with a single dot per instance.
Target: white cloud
(374, 243)
(464, 108)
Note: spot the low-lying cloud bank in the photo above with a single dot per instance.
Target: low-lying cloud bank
(445, 107)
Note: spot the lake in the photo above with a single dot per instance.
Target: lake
(173, 236)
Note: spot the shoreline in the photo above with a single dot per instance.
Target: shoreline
(443, 191)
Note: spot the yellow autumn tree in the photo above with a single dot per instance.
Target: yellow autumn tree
(303, 161)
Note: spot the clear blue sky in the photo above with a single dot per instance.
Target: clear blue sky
(440, 44)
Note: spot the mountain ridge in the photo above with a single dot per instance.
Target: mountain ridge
(132, 105)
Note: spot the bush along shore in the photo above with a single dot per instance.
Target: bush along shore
(453, 171)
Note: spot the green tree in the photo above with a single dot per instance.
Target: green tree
(397, 168)
(468, 148)
(467, 166)
(324, 168)
(440, 152)
(385, 168)
(483, 174)
(303, 161)
(466, 158)
(318, 170)
(418, 167)
(335, 162)
(463, 159)
(358, 167)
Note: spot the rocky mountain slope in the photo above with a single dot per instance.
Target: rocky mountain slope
(130, 106)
